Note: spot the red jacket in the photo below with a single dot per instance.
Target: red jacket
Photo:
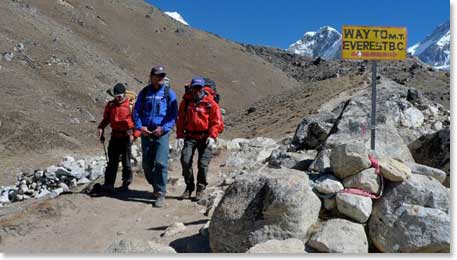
(199, 121)
(118, 115)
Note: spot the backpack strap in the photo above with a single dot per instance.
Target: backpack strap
(145, 90)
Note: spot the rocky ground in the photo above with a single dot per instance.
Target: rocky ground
(62, 224)
(319, 191)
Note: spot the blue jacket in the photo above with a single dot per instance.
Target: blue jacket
(156, 111)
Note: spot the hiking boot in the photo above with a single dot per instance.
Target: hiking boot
(160, 201)
(155, 195)
(200, 192)
(186, 194)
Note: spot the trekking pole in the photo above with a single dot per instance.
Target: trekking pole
(102, 140)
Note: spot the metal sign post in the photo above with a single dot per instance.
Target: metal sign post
(373, 43)
(373, 104)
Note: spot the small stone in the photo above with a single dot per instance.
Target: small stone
(19, 47)
(55, 193)
(8, 56)
(227, 181)
(83, 180)
(64, 187)
(438, 126)
(120, 233)
(174, 229)
(328, 184)
(73, 183)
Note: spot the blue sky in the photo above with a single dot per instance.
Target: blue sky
(280, 23)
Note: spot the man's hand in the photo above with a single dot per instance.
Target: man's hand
(158, 131)
(211, 143)
(145, 131)
(100, 135)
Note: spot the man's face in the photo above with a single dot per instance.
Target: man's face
(157, 79)
(197, 91)
(119, 98)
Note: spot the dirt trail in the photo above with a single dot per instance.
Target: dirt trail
(78, 223)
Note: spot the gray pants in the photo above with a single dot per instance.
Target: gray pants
(204, 158)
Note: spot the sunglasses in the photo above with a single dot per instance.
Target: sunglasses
(119, 95)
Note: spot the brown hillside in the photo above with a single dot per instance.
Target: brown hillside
(54, 90)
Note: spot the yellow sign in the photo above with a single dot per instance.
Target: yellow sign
(373, 43)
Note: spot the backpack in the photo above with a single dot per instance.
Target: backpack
(130, 94)
(212, 85)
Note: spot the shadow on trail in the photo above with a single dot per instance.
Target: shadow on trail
(197, 222)
(191, 244)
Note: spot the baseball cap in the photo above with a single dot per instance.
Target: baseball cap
(158, 70)
(197, 81)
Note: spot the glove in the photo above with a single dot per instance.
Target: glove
(211, 143)
(179, 143)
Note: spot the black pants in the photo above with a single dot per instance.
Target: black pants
(119, 148)
(204, 158)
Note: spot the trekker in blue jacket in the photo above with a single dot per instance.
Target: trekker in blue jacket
(155, 114)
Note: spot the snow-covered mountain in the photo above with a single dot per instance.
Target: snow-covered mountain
(435, 49)
(325, 43)
(177, 16)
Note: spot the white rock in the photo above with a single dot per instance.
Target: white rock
(328, 184)
(438, 126)
(174, 229)
(340, 236)
(354, 206)
(288, 246)
(64, 187)
(83, 180)
(412, 117)
(8, 56)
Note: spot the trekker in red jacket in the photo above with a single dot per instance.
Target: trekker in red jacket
(119, 116)
(198, 126)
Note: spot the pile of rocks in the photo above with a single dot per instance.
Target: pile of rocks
(54, 180)
(326, 191)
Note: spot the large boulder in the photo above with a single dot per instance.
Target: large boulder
(261, 206)
(412, 216)
(420, 169)
(312, 131)
(434, 150)
(340, 236)
(349, 159)
(288, 246)
(354, 206)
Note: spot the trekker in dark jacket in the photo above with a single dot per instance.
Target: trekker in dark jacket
(117, 114)
(199, 124)
(155, 114)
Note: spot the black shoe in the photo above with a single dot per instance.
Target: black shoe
(186, 194)
(160, 202)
